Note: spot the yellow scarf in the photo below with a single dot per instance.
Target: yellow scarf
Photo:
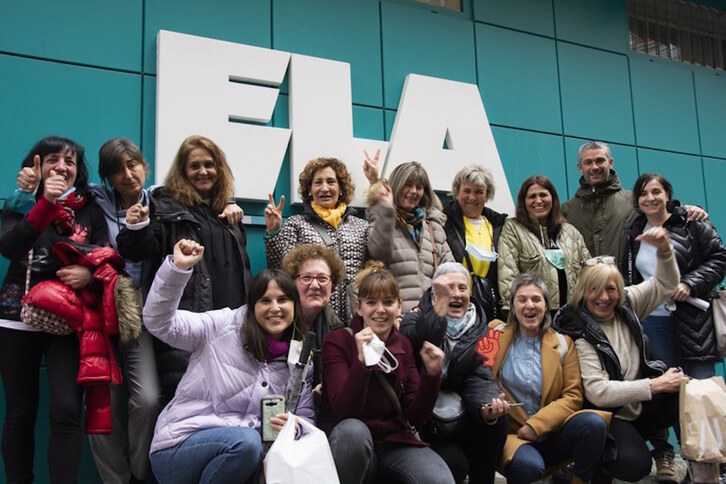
(330, 215)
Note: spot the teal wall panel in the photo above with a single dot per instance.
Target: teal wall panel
(595, 89)
(524, 153)
(95, 32)
(389, 118)
(685, 173)
(625, 164)
(711, 104)
(231, 20)
(336, 34)
(518, 79)
(423, 42)
(508, 13)
(595, 23)
(663, 104)
(88, 105)
(367, 123)
(714, 174)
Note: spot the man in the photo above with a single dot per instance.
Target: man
(601, 208)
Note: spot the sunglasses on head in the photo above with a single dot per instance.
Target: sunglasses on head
(601, 259)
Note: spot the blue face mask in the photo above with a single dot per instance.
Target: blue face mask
(454, 326)
(555, 257)
(480, 253)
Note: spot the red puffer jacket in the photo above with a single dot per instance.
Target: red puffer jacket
(92, 313)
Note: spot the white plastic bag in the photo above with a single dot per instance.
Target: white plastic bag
(703, 420)
(306, 460)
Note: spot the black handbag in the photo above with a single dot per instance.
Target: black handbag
(448, 417)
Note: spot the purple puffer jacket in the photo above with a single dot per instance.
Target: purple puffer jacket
(224, 383)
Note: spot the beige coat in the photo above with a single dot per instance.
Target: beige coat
(413, 268)
(521, 251)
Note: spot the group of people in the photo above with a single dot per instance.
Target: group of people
(524, 323)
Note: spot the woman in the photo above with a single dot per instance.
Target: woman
(539, 241)
(683, 336)
(191, 205)
(326, 188)
(472, 232)
(368, 422)
(315, 269)
(210, 431)
(604, 320)
(451, 320)
(539, 369)
(62, 213)
(407, 230)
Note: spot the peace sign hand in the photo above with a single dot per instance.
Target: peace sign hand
(370, 166)
(273, 214)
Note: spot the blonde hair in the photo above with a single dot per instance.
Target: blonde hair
(181, 189)
(474, 175)
(595, 278)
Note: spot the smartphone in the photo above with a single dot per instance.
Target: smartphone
(271, 405)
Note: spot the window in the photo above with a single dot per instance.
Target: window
(450, 4)
(678, 30)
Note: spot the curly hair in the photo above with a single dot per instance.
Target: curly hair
(299, 255)
(345, 181)
(181, 189)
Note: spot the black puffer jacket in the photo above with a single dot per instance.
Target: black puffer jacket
(170, 222)
(456, 238)
(466, 373)
(701, 258)
(579, 323)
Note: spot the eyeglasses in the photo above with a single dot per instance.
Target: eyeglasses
(307, 279)
(601, 259)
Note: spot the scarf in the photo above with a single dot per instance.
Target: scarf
(331, 215)
(412, 223)
(65, 217)
(275, 348)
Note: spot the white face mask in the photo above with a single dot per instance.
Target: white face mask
(480, 253)
(376, 353)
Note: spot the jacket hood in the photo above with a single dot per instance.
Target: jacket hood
(611, 185)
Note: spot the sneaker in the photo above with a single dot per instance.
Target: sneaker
(665, 468)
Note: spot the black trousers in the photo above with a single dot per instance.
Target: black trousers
(21, 353)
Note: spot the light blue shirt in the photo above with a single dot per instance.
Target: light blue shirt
(521, 372)
(645, 262)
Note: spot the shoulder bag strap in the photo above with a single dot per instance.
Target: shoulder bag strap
(27, 271)
(327, 239)
(434, 250)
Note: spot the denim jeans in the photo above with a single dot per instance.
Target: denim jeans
(582, 439)
(216, 455)
(358, 460)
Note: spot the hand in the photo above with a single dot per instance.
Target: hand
(318, 390)
(362, 337)
(273, 214)
(232, 213)
(370, 166)
(668, 382)
(488, 347)
(137, 213)
(440, 295)
(695, 213)
(28, 178)
(657, 236)
(381, 193)
(187, 253)
(682, 292)
(432, 357)
(526, 432)
(279, 421)
(54, 186)
(497, 408)
(75, 276)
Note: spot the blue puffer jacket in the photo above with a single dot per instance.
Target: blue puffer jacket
(224, 383)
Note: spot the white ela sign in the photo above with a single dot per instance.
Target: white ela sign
(228, 92)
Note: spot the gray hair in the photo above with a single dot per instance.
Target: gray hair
(529, 279)
(474, 175)
(451, 268)
(594, 145)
